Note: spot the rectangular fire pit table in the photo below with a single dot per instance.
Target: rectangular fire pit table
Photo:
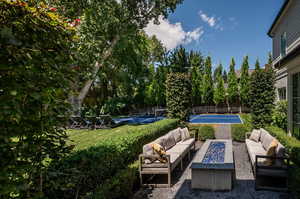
(213, 166)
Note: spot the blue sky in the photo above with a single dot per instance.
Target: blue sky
(221, 28)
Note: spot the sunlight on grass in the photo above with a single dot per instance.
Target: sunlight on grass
(85, 138)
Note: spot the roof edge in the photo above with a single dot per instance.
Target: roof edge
(283, 7)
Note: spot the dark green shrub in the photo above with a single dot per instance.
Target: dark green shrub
(206, 132)
(292, 144)
(279, 115)
(178, 96)
(238, 132)
(114, 106)
(262, 96)
(119, 186)
(84, 170)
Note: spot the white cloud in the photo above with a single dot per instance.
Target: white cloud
(172, 35)
(211, 21)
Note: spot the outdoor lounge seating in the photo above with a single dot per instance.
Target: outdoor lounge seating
(176, 150)
(91, 122)
(258, 156)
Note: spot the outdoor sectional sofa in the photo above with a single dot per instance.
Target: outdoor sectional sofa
(176, 150)
(257, 152)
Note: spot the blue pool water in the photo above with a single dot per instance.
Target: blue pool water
(215, 119)
(137, 120)
(215, 153)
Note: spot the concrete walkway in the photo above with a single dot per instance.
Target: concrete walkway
(243, 185)
(223, 131)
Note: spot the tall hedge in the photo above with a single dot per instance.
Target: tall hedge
(262, 96)
(35, 83)
(87, 171)
(178, 95)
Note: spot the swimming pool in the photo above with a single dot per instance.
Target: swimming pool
(137, 119)
(215, 119)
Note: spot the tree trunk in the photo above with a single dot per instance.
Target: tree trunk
(76, 101)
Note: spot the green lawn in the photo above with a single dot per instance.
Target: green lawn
(84, 138)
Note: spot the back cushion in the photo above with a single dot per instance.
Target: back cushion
(147, 149)
(267, 141)
(161, 141)
(185, 134)
(176, 134)
(169, 141)
(263, 133)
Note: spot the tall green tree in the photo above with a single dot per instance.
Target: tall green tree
(179, 60)
(196, 71)
(245, 82)
(219, 91)
(217, 72)
(105, 26)
(257, 64)
(262, 96)
(225, 76)
(233, 87)
(36, 74)
(207, 83)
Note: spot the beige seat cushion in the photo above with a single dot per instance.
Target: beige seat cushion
(188, 142)
(255, 135)
(174, 159)
(181, 149)
(255, 148)
(176, 134)
(185, 134)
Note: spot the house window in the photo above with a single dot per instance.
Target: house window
(283, 44)
(282, 93)
(296, 105)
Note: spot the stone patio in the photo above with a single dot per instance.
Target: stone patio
(243, 185)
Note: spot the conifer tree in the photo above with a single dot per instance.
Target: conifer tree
(233, 88)
(219, 91)
(245, 82)
(207, 83)
(257, 65)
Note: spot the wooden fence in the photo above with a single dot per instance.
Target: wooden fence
(195, 110)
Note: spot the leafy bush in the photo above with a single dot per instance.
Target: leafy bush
(121, 185)
(178, 96)
(86, 169)
(206, 132)
(113, 106)
(36, 77)
(262, 96)
(238, 132)
(279, 115)
(292, 144)
(246, 118)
